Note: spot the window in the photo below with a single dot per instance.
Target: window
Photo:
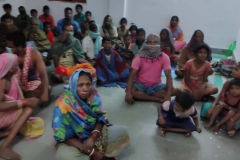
(71, 1)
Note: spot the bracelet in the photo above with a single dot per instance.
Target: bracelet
(160, 117)
(93, 137)
(96, 131)
(19, 104)
(92, 152)
(23, 102)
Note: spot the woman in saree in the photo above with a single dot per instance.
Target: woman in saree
(107, 29)
(80, 127)
(177, 33)
(14, 109)
(187, 52)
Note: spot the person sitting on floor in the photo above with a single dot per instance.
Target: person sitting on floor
(8, 9)
(133, 32)
(122, 30)
(196, 74)
(175, 116)
(167, 44)
(92, 43)
(46, 17)
(140, 41)
(110, 68)
(15, 110)
(66, 51)
(68, 19)
(38, 36)
(177, 34)
(32, 75)
(23, 19)
(6, 26)
(233, 124)
(124, 51)
(48, 32)
(187, 52)
(145, 82)
(79, 17)
(228, 105)
(85, 24)
(107, 29)
(34, 14)
(89, 136)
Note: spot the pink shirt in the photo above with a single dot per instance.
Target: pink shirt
(150, 71)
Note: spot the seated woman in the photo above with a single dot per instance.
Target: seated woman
(14, 109)
(177, 34)
(122, 30)
(187, 52)
(66, 51)
(107, 29)
(89, 136)
(92, 43)
(32, 75)
(133, 32)
(110, 68)
(196, 74)
(167, 44)
(38, 36)
(140, 41)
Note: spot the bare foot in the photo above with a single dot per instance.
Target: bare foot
(216, 128)
(231, 133)
(207, 126)
(187, 134)
(162, 132)
(8, 154)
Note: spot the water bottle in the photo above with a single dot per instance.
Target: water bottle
(230, 50)
(66, 83)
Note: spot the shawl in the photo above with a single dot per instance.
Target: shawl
(177, 33)
(97, 44)
(170, 37)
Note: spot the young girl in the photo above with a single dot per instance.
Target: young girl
(196, 74)
(229, 103)
(14, 110)
(133, 32)
(175, 116)
(167, 44)
(122, 30)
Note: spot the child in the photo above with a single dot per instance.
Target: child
(229, 103)
(196, 74)
(14, 109)
(175, 116)
(167, 44)
(140, 41)
(122, 30)
(48, 31)
(34, 14)
(79, 17)
(110, 68)
(133, 30)
(126, 54)
(85, 24)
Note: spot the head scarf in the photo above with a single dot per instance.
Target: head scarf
(108, 32)
(7, 61)
(192, 44)
(170, 37)
(96, 36)
(151, 51)
(65, 42)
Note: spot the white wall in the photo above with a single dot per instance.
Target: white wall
(218, 19)
(99, 8)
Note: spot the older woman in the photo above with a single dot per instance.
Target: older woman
(107, 29)
(187, 52)
(79, 124)
(177, 33)
(38, 36)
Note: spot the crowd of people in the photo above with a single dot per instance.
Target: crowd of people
(86, 54)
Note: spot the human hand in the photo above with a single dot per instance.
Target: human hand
(88, 146)
(129, 98)
(199, 130)
(161, 121)
(32, 102)
(44, 98)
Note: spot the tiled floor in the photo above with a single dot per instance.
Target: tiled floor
(147, 144)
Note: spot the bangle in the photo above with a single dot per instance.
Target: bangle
(96, 131)
(93, 137)
(23, 102)
(160, 117)
(19, 104)
(92, 152)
